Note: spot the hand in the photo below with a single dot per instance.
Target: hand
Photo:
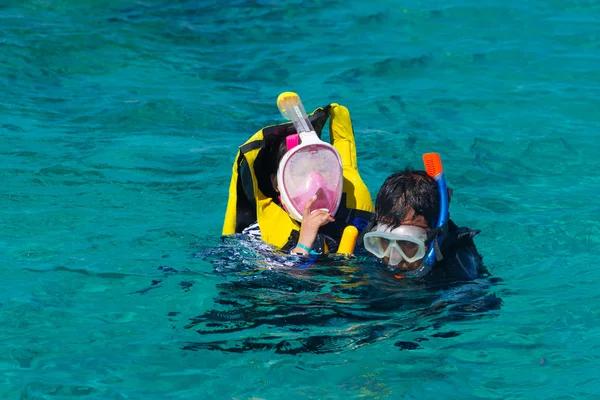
(311, 222)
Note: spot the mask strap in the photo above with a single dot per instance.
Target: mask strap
(282, 204)
(435, 232)
(369, 228)
(292, 141)
(438, 252)
(432, 235)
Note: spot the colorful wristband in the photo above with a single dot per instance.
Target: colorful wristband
(310, 251)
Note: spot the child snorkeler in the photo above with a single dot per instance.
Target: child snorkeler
(295, 191)
(412, 231)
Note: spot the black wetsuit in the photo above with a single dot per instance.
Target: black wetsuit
(461, 260)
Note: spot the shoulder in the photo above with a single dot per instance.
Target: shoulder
(461, 260)
(457, 238)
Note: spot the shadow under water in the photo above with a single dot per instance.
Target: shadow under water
(267, 303)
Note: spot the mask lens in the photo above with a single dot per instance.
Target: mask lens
(310, 171)
(409, 248)
(384, 244)
(376, 245)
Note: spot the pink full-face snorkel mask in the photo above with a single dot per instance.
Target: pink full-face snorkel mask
(311, 168)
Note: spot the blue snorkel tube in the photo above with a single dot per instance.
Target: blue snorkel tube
(434, 169)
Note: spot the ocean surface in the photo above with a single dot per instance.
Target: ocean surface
(120, 121)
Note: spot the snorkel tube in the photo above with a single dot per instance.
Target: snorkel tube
(434, 169)
(298, 181)
(292, 109)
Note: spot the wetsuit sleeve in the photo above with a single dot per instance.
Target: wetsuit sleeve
(461, 260)
(464, 262)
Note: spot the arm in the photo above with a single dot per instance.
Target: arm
(311, 222)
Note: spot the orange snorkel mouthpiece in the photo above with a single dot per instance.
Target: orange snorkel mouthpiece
(433, 164)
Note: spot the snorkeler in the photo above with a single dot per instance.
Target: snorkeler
(295, 191)
(412, 231)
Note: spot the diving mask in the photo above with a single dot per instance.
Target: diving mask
(310, 169)
(406, 243)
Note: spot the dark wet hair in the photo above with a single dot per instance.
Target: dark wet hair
(276, 152)
(405, 190)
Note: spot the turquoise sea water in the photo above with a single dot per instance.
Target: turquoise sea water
(120, 121)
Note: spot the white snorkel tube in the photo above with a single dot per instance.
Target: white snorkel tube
(311, 168)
